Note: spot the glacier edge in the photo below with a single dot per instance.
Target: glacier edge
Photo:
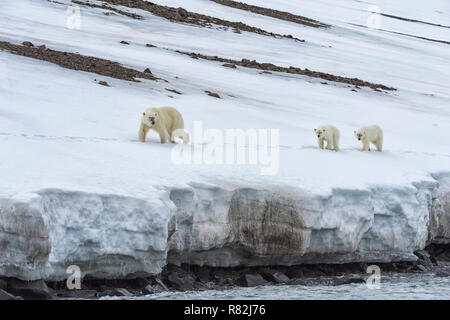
(113, 236)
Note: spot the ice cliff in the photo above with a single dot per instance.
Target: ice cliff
(111, 236)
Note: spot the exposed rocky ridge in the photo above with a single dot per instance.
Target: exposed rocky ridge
(282, 15)
(76, 61)
(292, 70)
(181, 15)
(103, 6)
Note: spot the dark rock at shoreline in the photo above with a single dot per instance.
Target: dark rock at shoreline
(35, 290)
(424, 257)
(115, 292)
(151, 289)
(122, 292)
(348, 280)
(106, 293)
(443, 273)
(78, 294)
(4, 295)
(3, 284)
(439, 252)
(274, 276)
(181, 281)
(251, 280)
(193, 277)
(203, 275)
(159, 282)
(421, 268)
(297, 282)
(294, 273)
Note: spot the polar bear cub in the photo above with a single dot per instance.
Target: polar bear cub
(330, 134)
(167, 121)
(370, 134)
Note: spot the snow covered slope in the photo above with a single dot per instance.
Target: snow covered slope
(91, 194)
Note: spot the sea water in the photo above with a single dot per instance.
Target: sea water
(391, 286)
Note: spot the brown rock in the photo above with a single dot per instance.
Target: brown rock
(36, 290)
(213, 94)
(3, 284)
(251, 280)
(297, 282)
(274, 276)
(104, 83)
(173, 90)
(229, 65)
(7, 296)
(27, 44)
(182, 12)
(124, 42)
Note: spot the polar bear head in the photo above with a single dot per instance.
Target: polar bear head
(150, 117)
(321, 132)
(360, 134)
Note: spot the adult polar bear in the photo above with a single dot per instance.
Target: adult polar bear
(370, 134)
(330, 134)
(167, 121)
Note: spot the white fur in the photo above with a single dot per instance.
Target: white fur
(370, 134)
(330, 134)
(167, 121)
